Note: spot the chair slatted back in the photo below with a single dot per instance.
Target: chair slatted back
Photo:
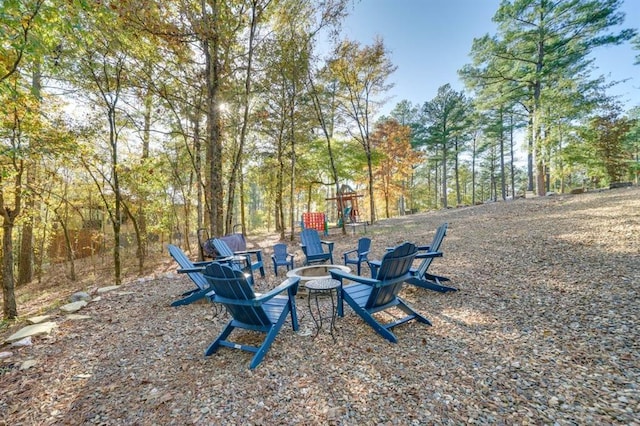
(394, 268)
(280, 253)
(235, 293)
(364, 244)
(181, 259)
(222, 248)
(441, 232)
(311, 239)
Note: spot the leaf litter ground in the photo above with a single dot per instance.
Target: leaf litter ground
(543, 331)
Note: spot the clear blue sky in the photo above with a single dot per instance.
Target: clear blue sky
(430, 41)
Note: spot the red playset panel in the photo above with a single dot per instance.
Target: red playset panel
(314, 221)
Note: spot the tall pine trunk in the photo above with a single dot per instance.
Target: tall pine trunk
(444, 175)
(503, 183)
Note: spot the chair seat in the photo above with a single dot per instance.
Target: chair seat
(274, 307)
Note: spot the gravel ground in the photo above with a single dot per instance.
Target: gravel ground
(543, 331)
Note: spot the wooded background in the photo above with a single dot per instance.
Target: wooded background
(141, 121)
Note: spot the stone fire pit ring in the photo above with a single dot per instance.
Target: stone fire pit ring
(315, 272)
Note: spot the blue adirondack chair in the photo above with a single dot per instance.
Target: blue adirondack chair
(421, 277)
(243, 257)
(313, 249)
(265, 313)
(194, 272)
(281, 257)
(367, 296)
(360, 253)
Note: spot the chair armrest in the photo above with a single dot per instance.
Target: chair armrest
(257, 252)
(429, 254)
(424, 248)
(285, 285)
(190, 270)
(243, 253)
(374, 265)
(350, 251)
(222, 259)
(338, 274)
(202, 263)
(329, 244)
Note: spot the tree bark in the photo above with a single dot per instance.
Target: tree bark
(211, 48)
(10, 309)
(444, 175)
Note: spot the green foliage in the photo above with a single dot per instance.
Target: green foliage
(603, 153)
(540, 59)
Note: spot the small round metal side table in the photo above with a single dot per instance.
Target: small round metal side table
(315, 288)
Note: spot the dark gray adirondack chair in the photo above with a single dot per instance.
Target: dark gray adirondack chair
(360, 253)
(367, 296)
(281, 257)
(265, 313)
(312, 247)
(421, 276)
(241, 257)
(236, 242)
(194, 272)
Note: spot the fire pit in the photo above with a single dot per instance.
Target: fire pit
(315, 272)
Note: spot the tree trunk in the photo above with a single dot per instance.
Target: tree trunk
(292, 187)
(540, 185)
(530, 154)
(327, 130)
(280, 173)
(387, 197)
(25, 263)
(436, 184)
(116, 218)
(139, 236)
(503, 183)
(444, 175)
(372, 205)
(211, 47)
(25, 270)
(197, 153)
(457, 174)
(236, 168)
(511, 160)
(292, 139)
(10, 309)
(142, 216)
(473, 170)
(280, 192)
(69, 247)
